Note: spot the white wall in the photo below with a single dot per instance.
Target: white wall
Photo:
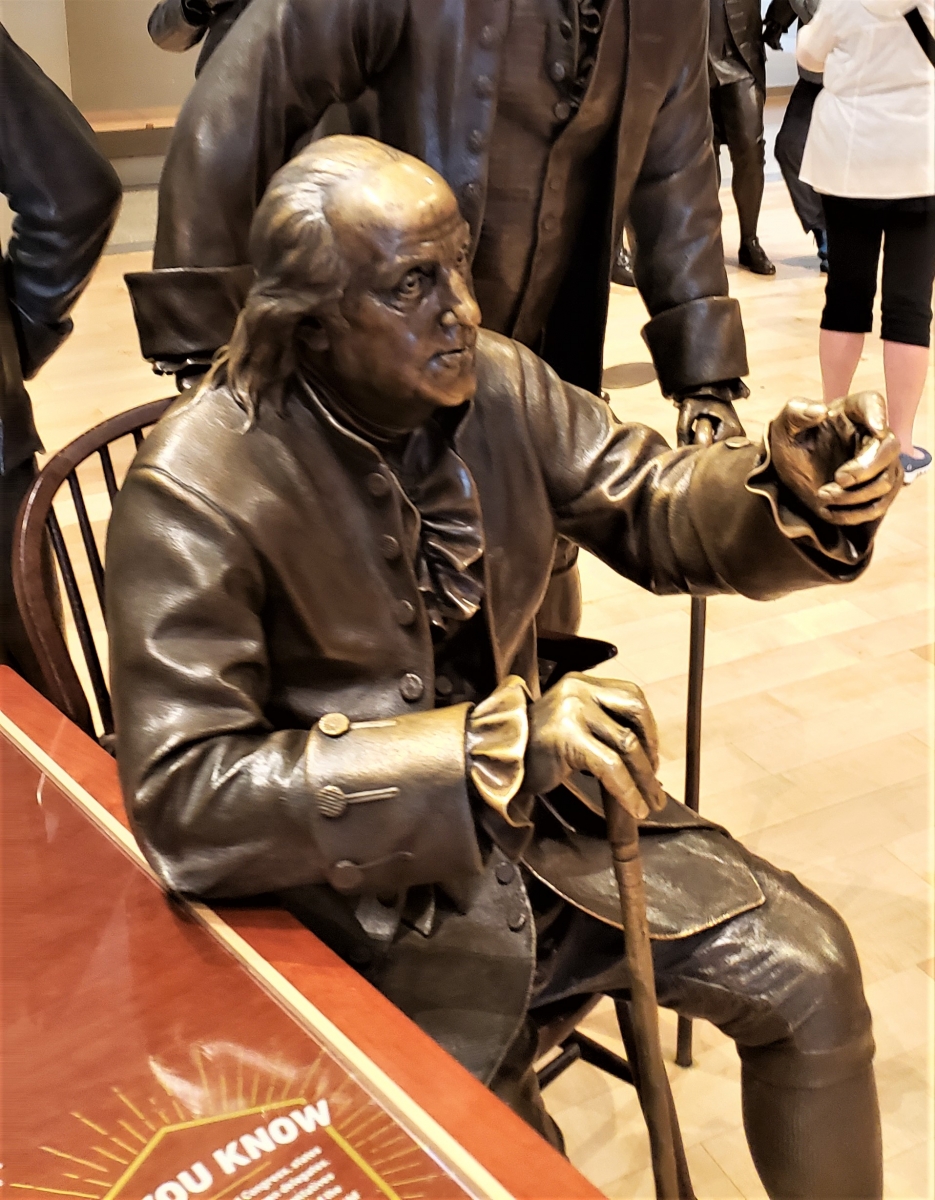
(39, 26)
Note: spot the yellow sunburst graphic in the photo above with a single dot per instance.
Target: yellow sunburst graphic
(199, 1109)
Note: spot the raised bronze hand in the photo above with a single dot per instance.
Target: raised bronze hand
(840, 460)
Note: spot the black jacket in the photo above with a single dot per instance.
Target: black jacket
(434, 69)
(64, 196)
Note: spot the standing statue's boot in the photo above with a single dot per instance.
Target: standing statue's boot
(754, 257)
(623, 269)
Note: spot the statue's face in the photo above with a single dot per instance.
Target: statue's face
(401, 343)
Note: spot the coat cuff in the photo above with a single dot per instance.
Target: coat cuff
(185, 314)
(496, 737)
(849, 546)
(701, 341)
(737, 510)
(389, 800)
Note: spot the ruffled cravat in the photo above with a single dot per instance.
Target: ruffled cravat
(449, 570)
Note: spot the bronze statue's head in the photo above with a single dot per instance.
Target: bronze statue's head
(363, 282)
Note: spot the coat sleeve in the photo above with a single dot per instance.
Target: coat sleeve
(64, 196)
(223, 803)
(695, 333)
(266, 87)
(699, 520)
(173, 26)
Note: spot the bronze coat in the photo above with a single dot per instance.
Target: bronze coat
(435, 72)
(253, 588)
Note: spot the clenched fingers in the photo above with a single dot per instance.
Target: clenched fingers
(624, 742)
(627, 702)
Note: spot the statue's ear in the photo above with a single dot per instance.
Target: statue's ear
(312, 333)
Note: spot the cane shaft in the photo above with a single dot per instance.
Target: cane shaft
(624, 843)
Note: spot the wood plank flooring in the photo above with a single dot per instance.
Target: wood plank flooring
(817, 721)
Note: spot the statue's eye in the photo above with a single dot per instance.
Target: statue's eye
(411, 284)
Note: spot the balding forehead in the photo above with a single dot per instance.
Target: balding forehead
(403, 195)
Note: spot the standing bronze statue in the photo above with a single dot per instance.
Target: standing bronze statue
(64, 196)
(737, 68)
(550, 119)
(323, 572)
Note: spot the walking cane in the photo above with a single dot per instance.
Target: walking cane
(704, 436)
(623, 835)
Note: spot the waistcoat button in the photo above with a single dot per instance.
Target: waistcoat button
(345, 876)
(405, 612)
(377, 484)
(443, 686)
(517, 920)
(565, 28)
(504, 872)
(389, 546)
(471, 191)
(489, 37)
(562, 110)
(557, 72)
(476, 141)
(483, 87)
(411, 686)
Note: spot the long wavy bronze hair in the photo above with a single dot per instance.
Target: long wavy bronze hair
(300, 271)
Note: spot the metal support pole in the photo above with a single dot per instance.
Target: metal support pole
(703, 437)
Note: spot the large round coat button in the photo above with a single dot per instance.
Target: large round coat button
(334, 724)
(405, 612)
(346, 876)
(517, 920)
(565, 28)
(389, 546)
(378, 484)
(504, 872)
(557, 72)
(411, 686)
(489, 37)
(562, 110)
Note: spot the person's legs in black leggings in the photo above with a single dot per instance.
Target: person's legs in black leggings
(908, 274)
(790, 146)
(855, 232)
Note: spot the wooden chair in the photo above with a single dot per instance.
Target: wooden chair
(38, 526)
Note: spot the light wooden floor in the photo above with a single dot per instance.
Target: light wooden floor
(818, 721)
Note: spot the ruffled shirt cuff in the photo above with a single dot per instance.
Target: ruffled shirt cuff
(847, 546)
(496, 736)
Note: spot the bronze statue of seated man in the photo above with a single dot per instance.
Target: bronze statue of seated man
(322, 576)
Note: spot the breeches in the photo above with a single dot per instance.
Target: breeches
(783, 981)
(856, 230)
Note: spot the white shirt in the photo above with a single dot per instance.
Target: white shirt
(872, 134)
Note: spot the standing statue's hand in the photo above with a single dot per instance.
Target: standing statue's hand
(601, 726)
(840, 461)
(721, 413)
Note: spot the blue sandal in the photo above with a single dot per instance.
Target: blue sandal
(914, 466)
